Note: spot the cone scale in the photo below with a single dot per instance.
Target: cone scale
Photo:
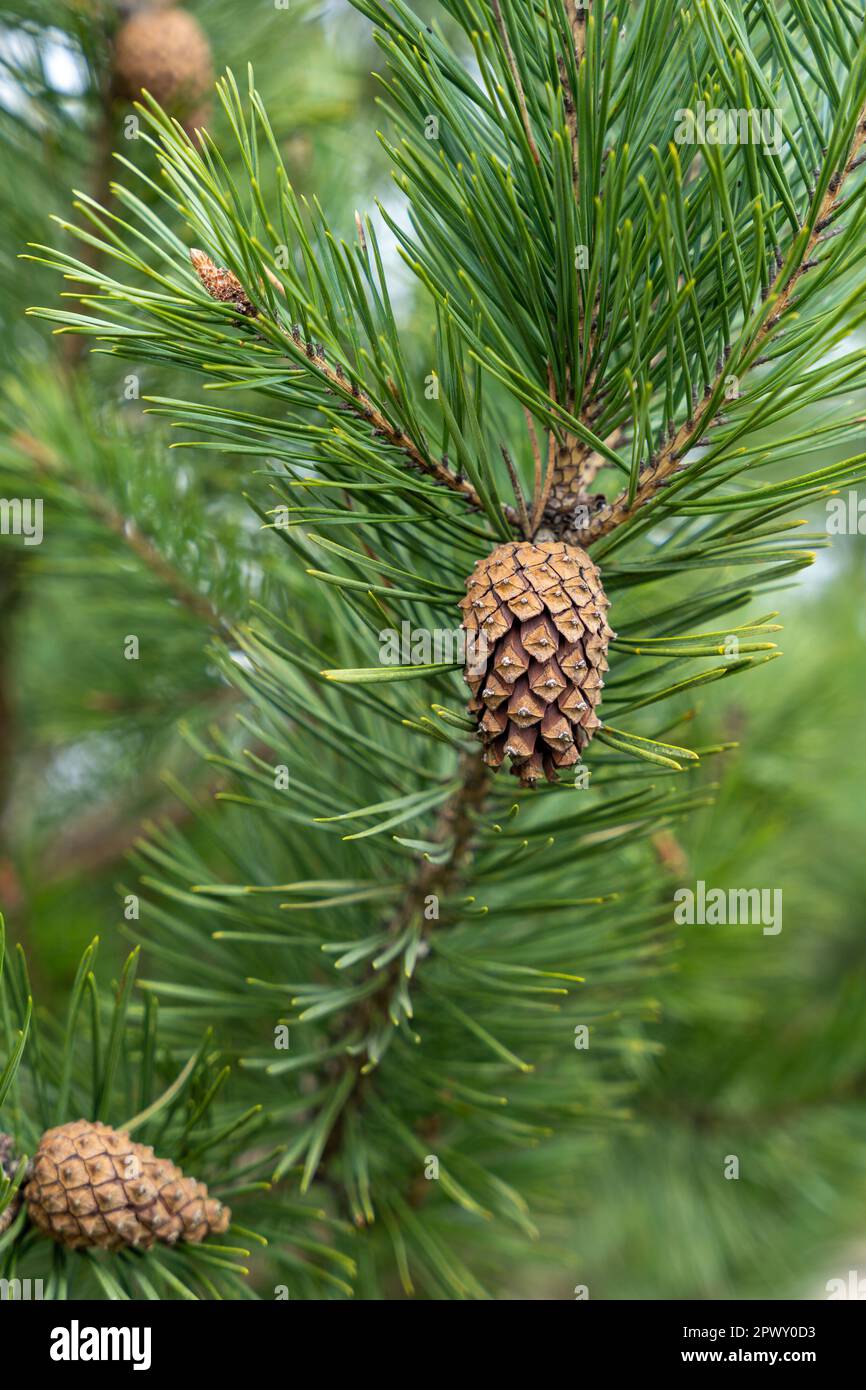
(535, 617)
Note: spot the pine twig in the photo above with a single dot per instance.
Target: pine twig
(577, 14)
(518, 492)
(576, 463)
(542, 496)
(224, 286)
(457, 821)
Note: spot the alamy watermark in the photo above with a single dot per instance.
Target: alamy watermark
(729, 907)
(77, 1343)
(21, 1290)
(22, 516)
(730, 126)
(846, 514)
(413, 646)
(854, 1287)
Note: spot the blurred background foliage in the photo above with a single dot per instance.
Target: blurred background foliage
(83, 752)
(762, 1038)
(758, 1048)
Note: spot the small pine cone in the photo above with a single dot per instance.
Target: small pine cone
(221, 284)
(535, 616)
(166, 52)
(9, 1167)
(94, 1186)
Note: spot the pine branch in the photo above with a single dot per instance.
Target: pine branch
(670, 459)
(358, 401)
(577, 15)
(457, 822)
(108, 1059)
(525, 522)
(107, 835)
(46, 462)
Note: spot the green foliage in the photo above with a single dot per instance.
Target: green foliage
(763, 1040)
(127, 549)
(432, 939)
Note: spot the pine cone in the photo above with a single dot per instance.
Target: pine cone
(9, 1167)
(94, 1186)
(167, 52)
(536, 642)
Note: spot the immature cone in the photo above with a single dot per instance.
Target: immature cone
(221, 284)
(94, 1186)
(535, 615)
(9, 1167)
(166, 52)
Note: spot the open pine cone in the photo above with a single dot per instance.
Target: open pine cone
(535, 616)
(94, 1186)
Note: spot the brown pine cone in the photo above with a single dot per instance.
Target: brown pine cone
(165, 51)
(9, 1167)
(535, 616)
(94, 1186)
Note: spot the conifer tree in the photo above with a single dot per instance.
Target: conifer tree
(636, 236)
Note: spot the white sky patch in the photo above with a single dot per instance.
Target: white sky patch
(826, 568)
(63, 69)
(64, 66)
(402, 284)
